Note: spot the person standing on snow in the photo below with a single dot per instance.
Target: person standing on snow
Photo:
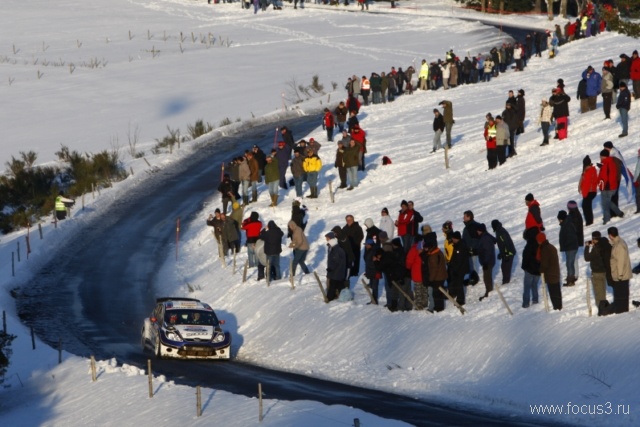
(550, 268)
(559, 101)
(300, 247)
(438, 128)
(545, 121)
(624, 105)
(506, 250)
(328, 123)
(487, 257)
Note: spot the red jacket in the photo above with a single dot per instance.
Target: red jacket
(252, 229)
(589, 181)
(414, 264)
(534, 217)
(361, 138)
(635, 69)
(608, 176)
(405, 222)
(328, 120)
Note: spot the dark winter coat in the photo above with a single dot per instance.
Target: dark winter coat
(438, 123)
(594, 81)
(549, 263)
(297, 215)
(487, 250)
(510, 117)
(437, 267)
(272, 237)
(354, 233)
(345, 244)
(560, 104)
(521, 108)
(336, 263)
(341, 113)
(576, 218)
(459, 262)
(351, 156)
(287, 137)
(229, 231)
(370, 269)
(568, 237)
(623, 70)
(392, 264)
(217, 224)
(530, 264)
(372, 233)
(225, 188)
(417, 219)
(261, 158)
(624, 99)
(582, 90)
(599, 256)
(470, 236)
(296, 166)
(506, 247)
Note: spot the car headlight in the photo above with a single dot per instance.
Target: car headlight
(218, 338)
(173, 336)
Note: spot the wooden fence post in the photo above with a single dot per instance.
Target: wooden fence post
(544, 293)
(40, 230)
(268, 272)
(150, 375)
(59, 351)
(33, 339)
(244, 272)
(324, 292)
(13, 264)
(177, 235)
(331, 191)
(4, 322)
(446, 155)
(93, 369)
(18, 250)
(504, 301)
(260, 402)
(198, 402)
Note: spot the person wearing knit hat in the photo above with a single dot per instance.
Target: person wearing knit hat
(531, 267)
(596, 251)
(534, 216)
(372, 232)
(560, 103)
(576, 217)
(386, 223)
(354, 235)
(550, 267)
(569, 245)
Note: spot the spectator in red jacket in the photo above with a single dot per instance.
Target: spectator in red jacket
(252, 227)
(328, 123)
(608, 184)
(634, 70)
(588, 187)
(360, 137)
(405, 225)
(534, 217)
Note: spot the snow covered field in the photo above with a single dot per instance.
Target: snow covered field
(486, 359)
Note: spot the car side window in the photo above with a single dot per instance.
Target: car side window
(157, 313)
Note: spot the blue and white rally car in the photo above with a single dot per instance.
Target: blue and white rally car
(185, 328)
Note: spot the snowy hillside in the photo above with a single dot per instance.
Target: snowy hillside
(486, 359)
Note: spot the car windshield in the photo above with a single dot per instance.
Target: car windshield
(190, 317)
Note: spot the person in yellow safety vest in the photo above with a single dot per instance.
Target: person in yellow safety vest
(365, 89)
(61, 206)
(424, 75)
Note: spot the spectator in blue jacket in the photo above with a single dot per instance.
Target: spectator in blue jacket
(594, 82)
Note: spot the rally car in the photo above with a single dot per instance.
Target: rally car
(185, 328)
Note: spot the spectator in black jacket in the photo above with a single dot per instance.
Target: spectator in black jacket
(355, 235)
(470, 237)
(598, 253)
(531, 267)
(417, 219)
(458, 267)
(438, 128)
(272, 237)
(345, 244)
(226, 191)
(506, 250)
(568, 240)
(510, 117)
(336, 266)
(487, 257)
